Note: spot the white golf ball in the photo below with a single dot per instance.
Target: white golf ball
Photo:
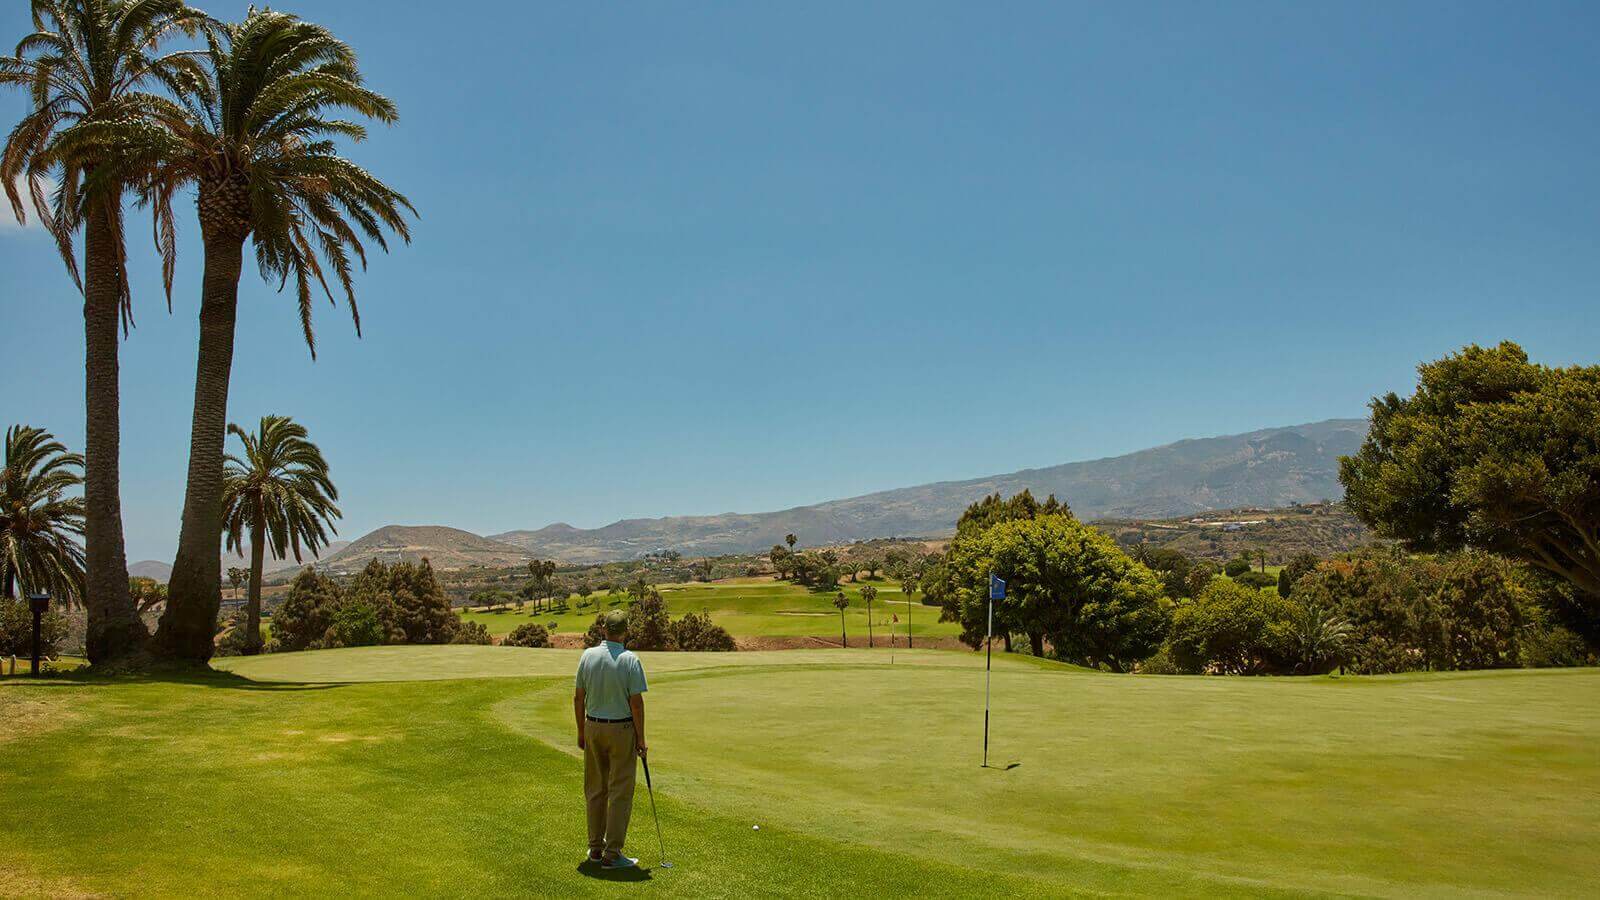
(755, 827)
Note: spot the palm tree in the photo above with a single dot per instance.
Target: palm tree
(791, 540)
(869, 594)
(841, 603)
(39, 524)
(85, 66)
(279, 494)
(256, 137)
(908, 587)
(236, 577)
(1321, 637)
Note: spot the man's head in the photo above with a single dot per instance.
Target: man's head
(616, 625)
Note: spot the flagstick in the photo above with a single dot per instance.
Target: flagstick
(988, 659)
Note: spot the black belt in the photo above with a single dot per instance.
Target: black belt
(608, 721)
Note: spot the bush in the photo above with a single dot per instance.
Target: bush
(1160, 664)
(696, 631)
(1552, 646)
(1236, 567)
(16, 630)
(1257, 580)
(1301, 565)
(305, 614)
(354, 624)
(528, 634)
(1233, 630)
(472, 633)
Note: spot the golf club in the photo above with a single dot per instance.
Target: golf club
(650, 789)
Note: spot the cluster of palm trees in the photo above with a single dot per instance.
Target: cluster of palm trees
(248, 116)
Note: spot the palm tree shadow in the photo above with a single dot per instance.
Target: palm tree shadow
(590, 869)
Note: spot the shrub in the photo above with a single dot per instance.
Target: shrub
(528, 634)
(303, 618)
(696, 631)
(354, 624)
(16, 630)
(1233, 630)
(1159, 664)
(1301, 565)
(1257, 580)
(1551, 646)
(1236, 567)
(472, 633)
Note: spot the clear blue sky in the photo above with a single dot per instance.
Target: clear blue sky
(692, 258)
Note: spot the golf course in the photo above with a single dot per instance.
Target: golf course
(750, 607)
(452, 770)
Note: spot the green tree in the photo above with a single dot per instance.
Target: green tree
(16, 630)
(791, 540)
(1066, 583)
(256, 137)
(279, 495)
(782, 561)
(1233, 630)
(842, 603)
(702, 569)
(1493, 453)
(236, 578)
(303, 618)
(908, 589)
(1319, 637)
(40, 521)
(86, 67)
(1300, 565)
(1386, 598)
(869, 594)
(696, 631)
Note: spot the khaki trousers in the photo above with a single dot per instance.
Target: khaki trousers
(610, 763)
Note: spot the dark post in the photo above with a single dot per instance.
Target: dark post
(38, 603)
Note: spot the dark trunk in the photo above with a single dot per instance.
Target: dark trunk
(908, 623)
(1006, 637)
(869, 626)
(194, 595)
(252, 616)
(843, 641)
(1036, 642)
(114, 628)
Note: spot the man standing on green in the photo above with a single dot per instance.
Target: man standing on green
(609, 707)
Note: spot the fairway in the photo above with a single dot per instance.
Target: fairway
(332, 771)
(752, 608)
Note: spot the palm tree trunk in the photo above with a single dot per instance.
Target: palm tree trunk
(194, 595)
(114, 629)
(843, 640)
(252, 616)
(869, 626)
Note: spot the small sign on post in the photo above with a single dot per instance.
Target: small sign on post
(997, 591)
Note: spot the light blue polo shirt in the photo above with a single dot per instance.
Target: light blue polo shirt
(609, 674)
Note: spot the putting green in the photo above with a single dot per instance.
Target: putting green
(324, 772)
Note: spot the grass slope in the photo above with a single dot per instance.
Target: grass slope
(752, 608)
(322, 773)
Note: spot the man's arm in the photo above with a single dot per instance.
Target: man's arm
(636, 706)
(577, 713)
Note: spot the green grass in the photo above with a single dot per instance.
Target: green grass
(754, 608)
(370, 771)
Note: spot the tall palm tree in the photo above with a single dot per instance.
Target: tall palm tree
(841, 603)
(279, 495)
(257, 138)
(39, 523)
(869, 594)
(85, 66)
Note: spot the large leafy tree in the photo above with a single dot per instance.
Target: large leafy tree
(1492, 452)
(277, 494)
(257, 136)
(41, 521)
(86, 67)
(1066, 583)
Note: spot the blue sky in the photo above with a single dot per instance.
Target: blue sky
(692, 258)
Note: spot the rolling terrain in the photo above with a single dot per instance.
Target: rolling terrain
(444, 548)
(1273, 467)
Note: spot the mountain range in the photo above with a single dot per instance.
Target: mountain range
(1273, 467)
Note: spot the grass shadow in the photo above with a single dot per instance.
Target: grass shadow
(591, 869)
(196, 676)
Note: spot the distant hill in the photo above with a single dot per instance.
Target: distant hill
(153, 569)
(1319, 529)
(1273, 467)
(445, 548)
(162, 572)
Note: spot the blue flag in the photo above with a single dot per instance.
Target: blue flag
(997, 587)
